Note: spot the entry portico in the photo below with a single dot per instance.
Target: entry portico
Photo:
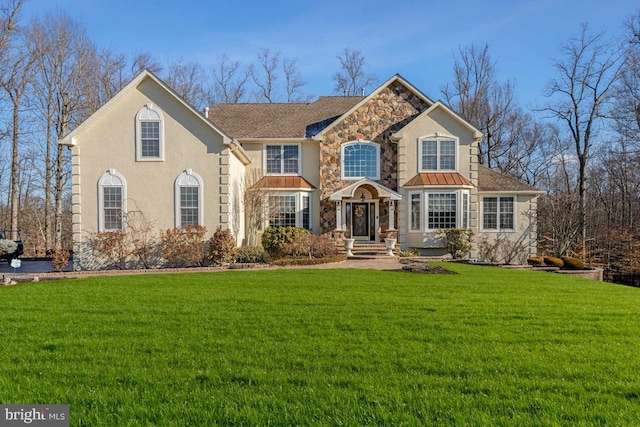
(358, 209)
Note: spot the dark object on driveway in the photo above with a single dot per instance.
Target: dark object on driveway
(19, 250)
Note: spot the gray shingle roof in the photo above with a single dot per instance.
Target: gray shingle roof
(291, 120)
(490, 180)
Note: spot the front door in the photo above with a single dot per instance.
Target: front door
(360, 221)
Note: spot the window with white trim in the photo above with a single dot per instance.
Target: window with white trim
(112, 189)
(188, 199)
(438, 155)
(430, 210)
(282, 159)
(149, 134)
(498, 213)
(360, 159)
(290, 210)
(416, 211)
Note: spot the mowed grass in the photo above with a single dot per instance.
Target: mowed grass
(325, 347)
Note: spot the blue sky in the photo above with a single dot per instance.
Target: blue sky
(415, 38)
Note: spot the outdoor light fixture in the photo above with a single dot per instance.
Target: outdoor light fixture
(362, 196)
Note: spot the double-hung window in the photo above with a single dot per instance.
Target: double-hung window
(438, 155)
(112, 195)
(498, 213)
(282, 159)
(149, 135)
(188, 199)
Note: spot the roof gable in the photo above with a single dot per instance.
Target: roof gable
(440, 106)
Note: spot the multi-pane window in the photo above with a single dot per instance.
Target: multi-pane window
(442, 210)
(438, 155)
(282, 210)
(498, 213)
(112, 205)
(290, 210)
(149, 134)
(150, 138)
(282, 159)
(415, 212)
(188, 199)
(189, 205)
(361, 160)
(111, 200)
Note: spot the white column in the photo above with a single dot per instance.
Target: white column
(392, 214)
(339, 215)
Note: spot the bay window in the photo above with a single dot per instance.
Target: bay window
(289, 210)
(431, 210)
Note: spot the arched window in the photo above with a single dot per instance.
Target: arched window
(360, 159)
(188, 202)
(149, 135)
(112, 193)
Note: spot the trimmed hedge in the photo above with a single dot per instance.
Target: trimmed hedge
(553, 261)
(571, 263)
(535, 260)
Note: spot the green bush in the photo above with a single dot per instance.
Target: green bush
(571, 263)
(222, 247)
(459, 241)
(553, 261)
(274, 238)
(535, 260)
(250, 255)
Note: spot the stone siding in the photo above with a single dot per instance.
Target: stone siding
(380, 117)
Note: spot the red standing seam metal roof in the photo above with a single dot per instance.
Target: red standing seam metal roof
(438, 178)
(283, 182)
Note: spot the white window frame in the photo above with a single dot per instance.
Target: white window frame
(111, 179)
(264, 163)
(342, 158)
(420, 196)
(438, 139)
(300, 197)
(148, 114)
(462, 214)
(188, 178)
(498, 228)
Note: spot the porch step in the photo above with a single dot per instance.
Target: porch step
(368, 250)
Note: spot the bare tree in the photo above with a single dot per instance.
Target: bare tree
(277, 79)
(578, 98)
(353, 78)
(187, 80)
(229, 81)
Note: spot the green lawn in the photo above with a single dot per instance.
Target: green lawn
(325, 347)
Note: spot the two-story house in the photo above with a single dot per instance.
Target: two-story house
(393, 161)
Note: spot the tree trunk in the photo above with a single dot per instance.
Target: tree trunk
(14, 176)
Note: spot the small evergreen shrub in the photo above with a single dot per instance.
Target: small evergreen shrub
(459, 241)
(59, 259)
(250, 255)
(553, 261)
(222, 249)
(571, 263)
(535, 260)
(274, 238)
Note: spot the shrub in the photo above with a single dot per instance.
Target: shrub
(222, 247)
(250, 255)
(411, 252)
(323, 246)
(7, 246)
(572, 263)
(184, 246)
(59, 259)
(112, 245)
(274, 238)
(459, 241)
(535, 260)
(553, 261)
